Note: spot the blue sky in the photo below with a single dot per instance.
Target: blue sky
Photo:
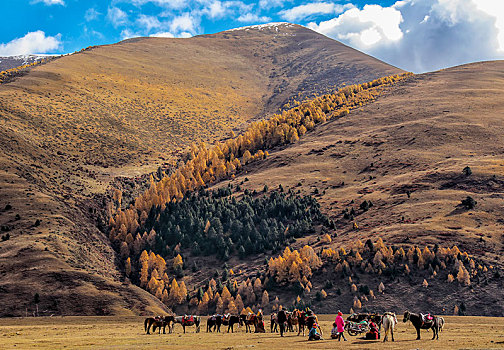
(417, 35)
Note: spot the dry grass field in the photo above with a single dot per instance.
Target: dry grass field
(128, 333)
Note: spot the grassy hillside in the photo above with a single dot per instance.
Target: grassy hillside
(406, 154)
(69, 127)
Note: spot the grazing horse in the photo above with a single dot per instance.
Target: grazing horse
(188, 321)
(214, 322)
(419, 322)
(158, 322)
(389, 320)
(230, 320)
(274, 322)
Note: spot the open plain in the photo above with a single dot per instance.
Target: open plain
(128, 333)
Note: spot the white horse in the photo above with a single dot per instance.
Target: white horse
(389, 320)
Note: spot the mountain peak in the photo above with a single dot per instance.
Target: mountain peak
(272, 25)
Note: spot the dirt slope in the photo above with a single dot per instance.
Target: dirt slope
(416, 138)
(67, 128)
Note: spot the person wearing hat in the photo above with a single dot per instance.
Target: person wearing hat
(314, 334)
(340, 326)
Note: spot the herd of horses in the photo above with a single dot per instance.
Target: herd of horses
(291, 321)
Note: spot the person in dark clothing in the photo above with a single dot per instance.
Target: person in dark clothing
(282, 320)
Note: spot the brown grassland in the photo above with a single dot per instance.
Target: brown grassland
(127, 333)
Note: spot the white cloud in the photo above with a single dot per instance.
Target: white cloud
(268, 4)
(162, 35)
(302, 11)
(216, 9)
(50, 2)
(33, 42)
(174, 4)
(91, 14)
(252, 17)
(423, 35)
(170, 35)
(362, 28)
(184, 23)
(117, 16)
(148, 22)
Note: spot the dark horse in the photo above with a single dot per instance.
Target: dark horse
(189, 320)
(158, 322)
(214, 322)
(420, 323)
(230, 321)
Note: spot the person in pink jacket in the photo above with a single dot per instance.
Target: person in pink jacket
(340, 326)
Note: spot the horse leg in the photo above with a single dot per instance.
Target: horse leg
(148, 328)
(183, 326)
(434, 332)
(418, 333)
(392, 332)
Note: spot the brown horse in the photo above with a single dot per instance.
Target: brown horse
(188, 321)
(436, 324)
(248, 320)
(158, 322)
(293, 320)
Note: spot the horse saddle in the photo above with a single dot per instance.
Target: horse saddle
(426, 318)
(188, 319)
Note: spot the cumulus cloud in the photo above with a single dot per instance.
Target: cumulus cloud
(422, 35)
(184, 23)
(316, 8)
(117, 16)
(50, 2)
(33, 42)
(253, 18)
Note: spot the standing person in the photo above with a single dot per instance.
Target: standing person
(340, 326)
(282, 320)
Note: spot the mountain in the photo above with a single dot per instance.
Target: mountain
(72, 126)
(9, 62)
(416, 153)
